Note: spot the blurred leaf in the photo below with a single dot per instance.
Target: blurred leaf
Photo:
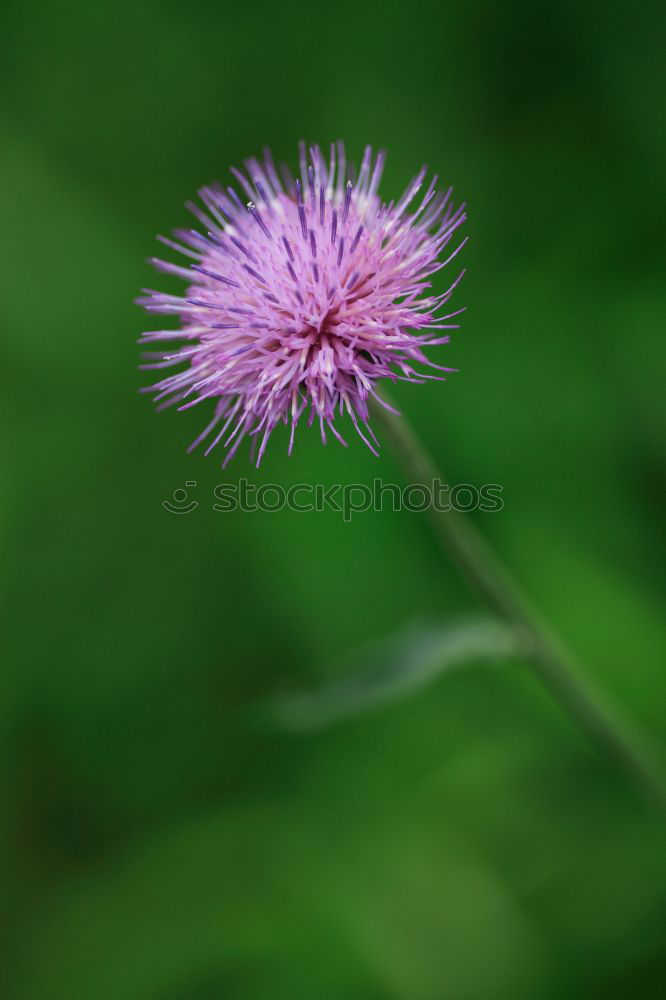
(264, 902)
(398, 666)
(218, 897)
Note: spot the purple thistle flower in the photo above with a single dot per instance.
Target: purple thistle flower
(301, 299)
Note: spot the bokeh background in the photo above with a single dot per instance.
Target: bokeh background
(161, 838)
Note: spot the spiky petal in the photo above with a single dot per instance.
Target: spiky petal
(301, 296)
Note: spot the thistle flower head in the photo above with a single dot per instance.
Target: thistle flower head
(301, 295)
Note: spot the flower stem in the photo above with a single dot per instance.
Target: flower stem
(550, 660)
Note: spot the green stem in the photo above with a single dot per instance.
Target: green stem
(550, 660)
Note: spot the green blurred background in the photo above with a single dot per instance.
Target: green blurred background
(160, 839)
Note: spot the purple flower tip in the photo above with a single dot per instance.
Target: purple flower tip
(335, 297)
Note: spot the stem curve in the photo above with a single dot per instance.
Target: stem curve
(551, 661)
